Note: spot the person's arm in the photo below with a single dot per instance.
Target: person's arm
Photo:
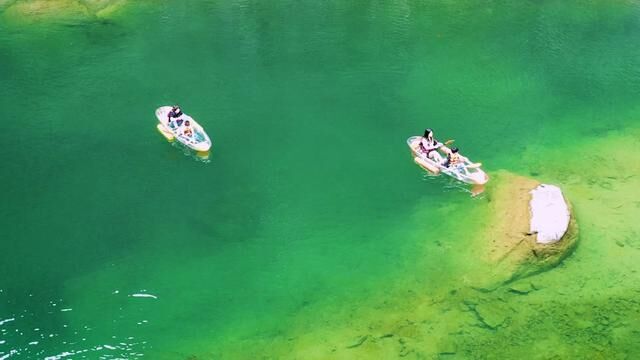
(435, 146)
(421, 145)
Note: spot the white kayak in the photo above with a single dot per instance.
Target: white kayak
(468, 172)
(198, 140)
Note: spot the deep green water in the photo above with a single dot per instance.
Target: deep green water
(310, 199)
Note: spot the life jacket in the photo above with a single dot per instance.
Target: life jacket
(454, 159)
(425, 144)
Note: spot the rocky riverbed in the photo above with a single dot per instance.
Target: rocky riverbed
(513, 250)
(588, 303)
(43, 10)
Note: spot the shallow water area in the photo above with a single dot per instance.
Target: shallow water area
(309, 232)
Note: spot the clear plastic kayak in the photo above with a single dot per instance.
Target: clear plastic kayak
(467, 172)
(197, 140)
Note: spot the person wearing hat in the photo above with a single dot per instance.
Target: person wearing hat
(428, 145)
(175, 113)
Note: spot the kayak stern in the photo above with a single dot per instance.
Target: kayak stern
(426, 165)
(166, 133)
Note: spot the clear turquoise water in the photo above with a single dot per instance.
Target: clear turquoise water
(310, 198)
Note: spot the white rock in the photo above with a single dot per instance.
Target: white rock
(549, 214)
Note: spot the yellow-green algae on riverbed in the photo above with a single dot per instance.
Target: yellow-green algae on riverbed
(311, 234)
(48, 10)
(589, 306)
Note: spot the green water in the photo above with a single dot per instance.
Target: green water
(310, 226)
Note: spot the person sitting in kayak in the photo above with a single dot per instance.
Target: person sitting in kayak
(187, 129)
(454, 159)
(175, 112)
(429, 145)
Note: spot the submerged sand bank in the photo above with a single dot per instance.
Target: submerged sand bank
(42, 10)
(508, 245)
(586, 307)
